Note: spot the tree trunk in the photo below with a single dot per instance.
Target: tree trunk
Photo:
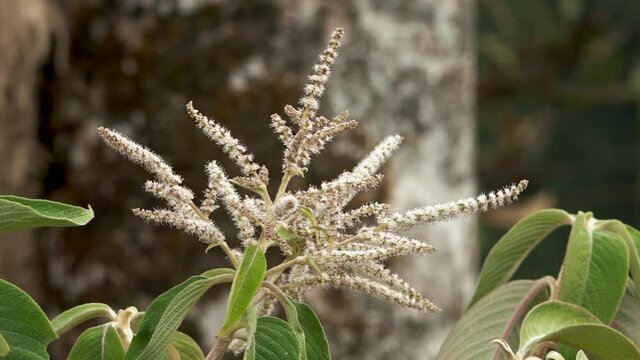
(410, 69)
(27, 29)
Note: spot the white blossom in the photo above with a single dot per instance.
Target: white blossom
(327, 243)
(140, 155)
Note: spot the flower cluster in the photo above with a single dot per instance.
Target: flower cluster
(326, 243)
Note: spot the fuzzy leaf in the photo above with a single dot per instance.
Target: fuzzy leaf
(635, 234)
(186, 347)
(98, 343)
(574, 326)
(79, 314)
(631, 238)
(317, 347)
(18, 213)
(595, 270)
(167, 311)
(245, 285)
(628, 319)
(252, 324)
(276, 340)
(25, 328)
(483, 322)
(507, 255)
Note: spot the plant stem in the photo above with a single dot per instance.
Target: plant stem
(536, 288)
(223, 244)
(219, 348)
(283, 266)
(350, 240)
(230, 255)
(283, 185)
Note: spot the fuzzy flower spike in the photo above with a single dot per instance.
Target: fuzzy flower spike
(326, 243)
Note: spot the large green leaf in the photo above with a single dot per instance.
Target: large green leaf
(317, 346)
(79, 314)
(185, 347)
(18, 213)
(276, 340)
(293, 319)
(98, 343)
(23, 325)
(509, 252)
(167, 311)
(595, 270)
(4, 347)
(485, 321)
(574, 326)
(245, 285)
(628, 319)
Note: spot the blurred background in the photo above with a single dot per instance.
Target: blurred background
(486, 92)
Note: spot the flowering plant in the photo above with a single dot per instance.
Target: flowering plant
(324, 243)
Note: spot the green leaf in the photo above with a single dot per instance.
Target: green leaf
(245, 285)
(485, 321)
(98, 343)
(317, 346)
(18, 213)
(507, 255)
(595, 270)
(276, 340)
(631, 237)
(574, 326)
(186, 347)
(628, 319)
(23, 325)
(252, 324)
(4, 347)
(635, 234)
(167, 311)
(79, 314)
(291, 311)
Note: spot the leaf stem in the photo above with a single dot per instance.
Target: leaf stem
(219, 348)
(283, 184)
(232, 258)
(285, 265)
(223, 244)
(350, 240)
(536, 288)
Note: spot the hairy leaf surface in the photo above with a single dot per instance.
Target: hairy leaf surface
(574, 326)
(511, 250)
(25, 328)
(18, 213)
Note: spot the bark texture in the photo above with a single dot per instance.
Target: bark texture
(27, 31)
(409, 68)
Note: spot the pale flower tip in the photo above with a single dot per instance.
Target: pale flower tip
(104, 132)
(522, 185)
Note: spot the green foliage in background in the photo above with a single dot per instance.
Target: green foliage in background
(559, 91)
(591, 305)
